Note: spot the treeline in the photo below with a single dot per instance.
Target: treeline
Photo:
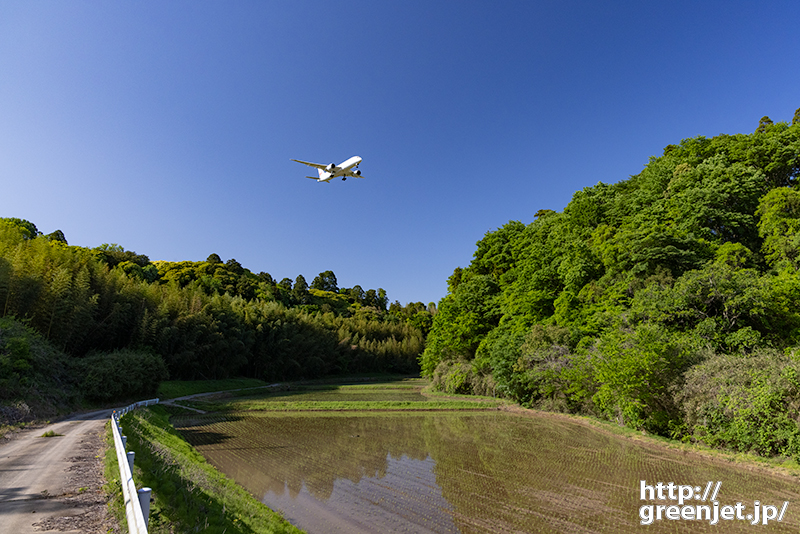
(668, 302)
(193, 320)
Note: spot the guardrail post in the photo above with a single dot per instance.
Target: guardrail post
(131, 455)
(144, 502)
(124, 442)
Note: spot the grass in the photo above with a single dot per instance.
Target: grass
(189, 494)
(6, 429)
(113, 486)
(392, 396)
(780, 464)
(338, 406)
(13, 428)
(172, 389)
(50, 434)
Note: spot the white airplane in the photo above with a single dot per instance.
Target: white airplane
(327, 173)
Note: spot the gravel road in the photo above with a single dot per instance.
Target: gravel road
(55, 484)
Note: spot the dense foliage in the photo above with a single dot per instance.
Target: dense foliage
(36, 379)
(667, 301)
(191, 320)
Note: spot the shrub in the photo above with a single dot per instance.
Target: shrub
(122, 374)
(36, 379)
(746, 402)
(636, 371)
(460, 378)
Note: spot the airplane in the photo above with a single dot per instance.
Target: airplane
(327, 173)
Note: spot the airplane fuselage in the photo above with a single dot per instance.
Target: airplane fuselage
(346, 169)
(334, 171)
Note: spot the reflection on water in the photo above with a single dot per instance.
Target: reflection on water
(405, 499)
(331, 473)
(467, 472)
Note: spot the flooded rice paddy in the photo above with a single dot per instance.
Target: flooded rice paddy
(439, 470)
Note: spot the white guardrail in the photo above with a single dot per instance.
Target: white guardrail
(137, 503)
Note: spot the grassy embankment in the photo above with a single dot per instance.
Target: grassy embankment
(113, 486)
(173, 389)
(189, 494)
(395, 394)
(780, 464)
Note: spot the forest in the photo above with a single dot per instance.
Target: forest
(667, 302)
(72, 317)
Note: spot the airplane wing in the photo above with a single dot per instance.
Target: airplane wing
(353, 174)
(315, 165)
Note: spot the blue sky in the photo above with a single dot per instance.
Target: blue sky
(169, 127)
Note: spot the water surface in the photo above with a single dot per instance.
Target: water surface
(489, 471)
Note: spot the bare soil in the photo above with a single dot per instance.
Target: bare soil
(84, 492)
(56, 483)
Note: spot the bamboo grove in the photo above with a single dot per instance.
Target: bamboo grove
(112, 310)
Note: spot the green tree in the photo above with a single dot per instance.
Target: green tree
(356, 294)
(300, 290)
(58, 235)
(764, 124)
(325, 281)
(462, 321)
(779, 226)
(28, 229)
(642, 277)
(635, 371)
(234, 267)
(382, 300)
(266, 278)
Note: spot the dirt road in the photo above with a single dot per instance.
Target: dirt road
(55, 483)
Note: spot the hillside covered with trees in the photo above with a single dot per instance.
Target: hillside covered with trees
(668, 302)
(90, 314)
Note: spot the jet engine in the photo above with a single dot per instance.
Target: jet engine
(357, 172)
(330, 167)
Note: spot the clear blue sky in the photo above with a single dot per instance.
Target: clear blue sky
(169, 127)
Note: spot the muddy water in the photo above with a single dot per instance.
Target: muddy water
(465, 472)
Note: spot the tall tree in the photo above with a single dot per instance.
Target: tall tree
(286, 284)
(234, 267)
(28, 229)
(325, 281)
(58, 235)
(300, 290)
(763, 124)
